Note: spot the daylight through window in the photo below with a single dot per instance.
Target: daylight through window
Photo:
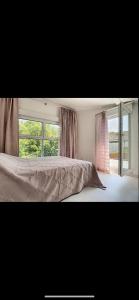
(38, 138)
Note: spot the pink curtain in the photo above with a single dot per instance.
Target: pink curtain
(9, 126)
(68, 139)
(102, 143)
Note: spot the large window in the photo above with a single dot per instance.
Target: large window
(113, 127)
(38, 138)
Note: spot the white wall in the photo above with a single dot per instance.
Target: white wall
(32, 108)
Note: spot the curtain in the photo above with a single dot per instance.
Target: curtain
(102, 143)
(68, 139)
(9, 126)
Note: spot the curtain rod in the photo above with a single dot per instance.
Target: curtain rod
(60, 105)
(116, 106)
(108, 109)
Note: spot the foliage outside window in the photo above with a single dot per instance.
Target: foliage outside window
(38, 138)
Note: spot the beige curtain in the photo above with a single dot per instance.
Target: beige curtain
(102, 143)
(68, 139)
(9, 126)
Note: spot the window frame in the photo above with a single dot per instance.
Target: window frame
(111, 116)
(42, 137)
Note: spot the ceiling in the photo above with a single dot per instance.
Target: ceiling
(83, 103)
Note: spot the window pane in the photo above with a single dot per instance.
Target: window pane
(125, 143)
(29, 148)
(113, 128)
(32, 128)
(125, 123)
(51, 147)
(52, 131)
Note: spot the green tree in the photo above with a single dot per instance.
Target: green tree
(30, 147)
(51, 148)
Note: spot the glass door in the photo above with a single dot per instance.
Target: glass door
(125, 144)
(113, 130)
(125, 139)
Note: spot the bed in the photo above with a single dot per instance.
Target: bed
(46, 179)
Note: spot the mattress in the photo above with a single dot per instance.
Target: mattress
(46, 179)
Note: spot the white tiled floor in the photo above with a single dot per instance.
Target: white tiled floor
(119, 189)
